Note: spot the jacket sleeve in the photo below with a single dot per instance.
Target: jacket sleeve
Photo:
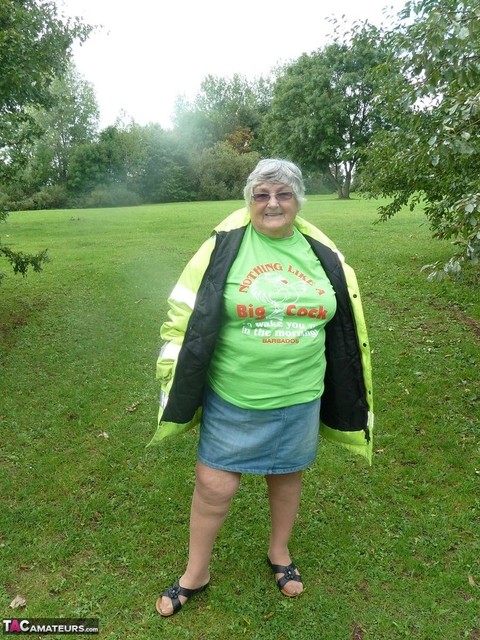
(181, 303)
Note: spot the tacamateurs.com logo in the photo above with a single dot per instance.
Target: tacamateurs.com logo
(50, 625)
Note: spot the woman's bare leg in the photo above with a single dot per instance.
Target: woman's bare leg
(214, 490)
(284, 491)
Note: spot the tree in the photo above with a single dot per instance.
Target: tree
(221, 172)
(103, 172)
(70, 121)
(225, 108)
(165, 175)
(324, 112)
(129, 164)
(436, 134)
(35, 45)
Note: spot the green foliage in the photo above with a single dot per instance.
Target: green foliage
(111, 195)
(145, 162)
(165, 174)
(222, 107)
(52, 196)
(436, 125)
(221, 172)
(324, 111)
(70, 121)
(35, 45)
(109, 160)
(151, 163)
(22, 261)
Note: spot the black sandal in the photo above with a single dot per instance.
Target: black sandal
(173, 592)
(289, 573)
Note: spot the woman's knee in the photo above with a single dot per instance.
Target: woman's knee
(215, 485)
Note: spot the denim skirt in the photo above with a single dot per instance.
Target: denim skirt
(258, 441)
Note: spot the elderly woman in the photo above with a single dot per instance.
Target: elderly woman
(265, 345)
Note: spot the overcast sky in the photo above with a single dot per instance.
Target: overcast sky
(148, 52)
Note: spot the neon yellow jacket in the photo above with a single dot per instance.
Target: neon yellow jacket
(190, 332)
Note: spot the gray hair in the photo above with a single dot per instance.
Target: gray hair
(276, 171)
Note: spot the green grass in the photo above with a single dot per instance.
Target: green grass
(92, 524)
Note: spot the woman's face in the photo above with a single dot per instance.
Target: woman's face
(274, 215)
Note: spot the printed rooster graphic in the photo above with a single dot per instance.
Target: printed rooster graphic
(276, 290)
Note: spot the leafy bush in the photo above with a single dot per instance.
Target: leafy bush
(116, 195)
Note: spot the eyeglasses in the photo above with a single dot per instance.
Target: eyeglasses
(283, 196)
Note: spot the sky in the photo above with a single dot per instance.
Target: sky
(146, 53)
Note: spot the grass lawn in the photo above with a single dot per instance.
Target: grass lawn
(94, 525)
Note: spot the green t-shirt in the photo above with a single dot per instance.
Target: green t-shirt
(270, 351)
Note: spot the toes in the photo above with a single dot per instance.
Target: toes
(292, 588)
(164, 606)
(167, 606)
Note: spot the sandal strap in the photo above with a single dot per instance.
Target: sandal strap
(289, 573)
(176, 590)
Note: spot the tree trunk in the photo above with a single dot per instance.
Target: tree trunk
(346, 185)
(333, 174)
(342, 185)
